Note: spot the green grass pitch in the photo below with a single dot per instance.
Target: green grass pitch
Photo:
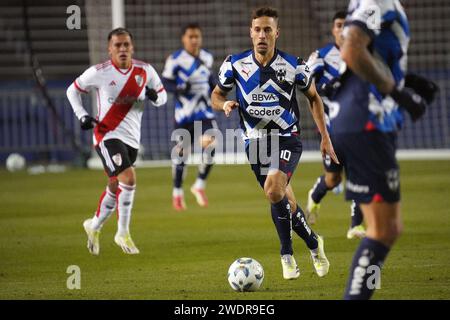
(187, 255)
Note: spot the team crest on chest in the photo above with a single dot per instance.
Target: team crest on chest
(139, 80)
(117, 158)
(281, 75)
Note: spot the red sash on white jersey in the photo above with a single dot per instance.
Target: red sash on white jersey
(120, 108)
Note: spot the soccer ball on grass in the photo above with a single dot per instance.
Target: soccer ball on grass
(245, 274)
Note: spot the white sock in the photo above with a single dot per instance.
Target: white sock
(200, 184)
(106, 207)
(125, 197)
(177, 192)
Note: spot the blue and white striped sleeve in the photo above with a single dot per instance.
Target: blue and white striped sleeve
(226, 79)
(170, 67)
(315, 63)
(369, 15)
(303, 76)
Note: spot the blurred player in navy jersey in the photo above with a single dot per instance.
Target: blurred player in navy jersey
(121, 85)
(326, 66)
(187, 74)
(365, 123)
(266, 80)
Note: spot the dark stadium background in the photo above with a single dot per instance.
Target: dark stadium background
(27, 126)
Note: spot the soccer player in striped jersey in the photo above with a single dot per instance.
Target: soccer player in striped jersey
(326, 66)
(365, 124)
(266, 80)
(187, 74)
(121, 85)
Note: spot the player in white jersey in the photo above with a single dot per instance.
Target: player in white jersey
(121, 85)
(187, 74)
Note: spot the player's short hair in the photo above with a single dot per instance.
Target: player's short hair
(191, 25)
(265, 12)
(341, 14)
(119, 31)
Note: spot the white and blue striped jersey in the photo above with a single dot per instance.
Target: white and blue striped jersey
(360, 106)
(266, 94)
(181, 68)
(326, 64)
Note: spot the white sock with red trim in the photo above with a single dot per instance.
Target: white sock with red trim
(106, 207)
(177, 192)
(200, 184)
(125, 198)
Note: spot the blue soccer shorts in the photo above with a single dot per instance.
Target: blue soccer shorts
(371, 169)
(266, 155)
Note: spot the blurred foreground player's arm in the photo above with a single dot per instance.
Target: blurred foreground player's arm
(356, 54)
(82, 85)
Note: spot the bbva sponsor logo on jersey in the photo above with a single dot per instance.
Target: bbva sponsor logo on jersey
(264, 97)
(264, 112)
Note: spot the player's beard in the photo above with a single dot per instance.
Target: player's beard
(261, 51)
(124, 61)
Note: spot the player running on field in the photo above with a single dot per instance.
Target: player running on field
(266, 80)
(365, 125)
(326, 66)
(187, 74)
(121, 85)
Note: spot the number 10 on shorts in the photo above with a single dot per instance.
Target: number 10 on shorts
(285, 155)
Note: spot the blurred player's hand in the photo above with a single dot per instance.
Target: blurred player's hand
(151, 94)
(326, 148)
(424, 87)
(329, 89)
(228, 106)
(87, 122)
(410, 101)
(184, 88)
